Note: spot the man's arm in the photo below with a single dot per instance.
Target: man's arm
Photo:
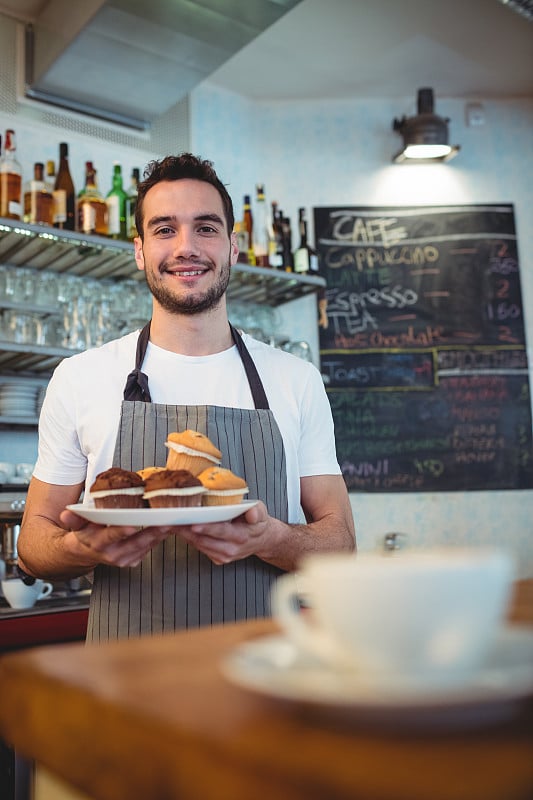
(56, 544)
(45, 548)
(330, 526)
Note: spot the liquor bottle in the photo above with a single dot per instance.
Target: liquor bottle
(248, 227)
(261, 228)
(276, 246)
(10, 180)
(116, 206)
(38, 199)
(50, 175)
(88, 168)
(131, 204)
(92, 208)
(242, 241)
(64, 197)
(50, 183)
(286, 242)
(305, 258)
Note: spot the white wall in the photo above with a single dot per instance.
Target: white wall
(336, 152)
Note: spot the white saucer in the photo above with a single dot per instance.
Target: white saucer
(192, 515)
(272, 666)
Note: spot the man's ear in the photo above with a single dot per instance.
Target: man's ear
(139, 255)
(234, 249)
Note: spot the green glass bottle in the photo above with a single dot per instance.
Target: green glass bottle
(116, 206)
(131, 204)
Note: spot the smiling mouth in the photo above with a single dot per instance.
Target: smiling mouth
(186, 273)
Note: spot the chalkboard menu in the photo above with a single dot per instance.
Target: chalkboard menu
(422, 347)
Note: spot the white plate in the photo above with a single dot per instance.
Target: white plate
(273, 667)
(23, 408)
(8, 397)
(25, 402)
(14, 387)
(13, 401)
(161, 516)
(18, 395)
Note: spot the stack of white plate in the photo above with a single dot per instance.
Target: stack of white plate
(18, 399)
(40, 399)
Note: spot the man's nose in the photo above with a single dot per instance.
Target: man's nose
(185, 242)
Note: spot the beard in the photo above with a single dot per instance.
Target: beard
(193, 303)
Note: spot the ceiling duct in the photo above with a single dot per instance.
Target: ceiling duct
(128, 61)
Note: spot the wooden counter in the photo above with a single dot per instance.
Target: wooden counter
(154, 718)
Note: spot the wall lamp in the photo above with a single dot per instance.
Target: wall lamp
(425, 137)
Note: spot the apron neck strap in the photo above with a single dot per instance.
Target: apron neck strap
(256, 387)
(137, 382)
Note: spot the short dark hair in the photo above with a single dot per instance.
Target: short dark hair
(175, 168)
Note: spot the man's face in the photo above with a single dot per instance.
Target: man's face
(187, 252)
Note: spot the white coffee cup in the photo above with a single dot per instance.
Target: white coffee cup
(418, 619)
(20, 595)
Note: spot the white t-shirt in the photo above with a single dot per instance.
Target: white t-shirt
(80, 415)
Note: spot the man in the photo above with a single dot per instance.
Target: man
(265, 410)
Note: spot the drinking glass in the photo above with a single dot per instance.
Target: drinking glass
(46, 290)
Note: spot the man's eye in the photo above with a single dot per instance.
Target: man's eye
(207, 229)
(163, 230)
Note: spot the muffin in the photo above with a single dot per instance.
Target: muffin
(173, 488)
(117, 488)
(192, 451)
(223, 487)
(147, 471)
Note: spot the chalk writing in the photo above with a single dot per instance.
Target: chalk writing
(370, 257)
(378, 369)
(423, 355)
(503, 266)
(348, 226)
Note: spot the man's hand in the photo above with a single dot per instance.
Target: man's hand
(114, 545)
(327, 509)
(224, 542)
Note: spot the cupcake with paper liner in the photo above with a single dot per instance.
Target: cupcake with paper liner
(173, 488)
(223, 487)
(117, 488)
(191, 451)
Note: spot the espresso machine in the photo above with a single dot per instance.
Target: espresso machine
(10, 534)
(8, 563)
(11, 511)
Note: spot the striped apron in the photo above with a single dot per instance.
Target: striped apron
(176, 586)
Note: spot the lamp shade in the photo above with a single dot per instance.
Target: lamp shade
(425, 137)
